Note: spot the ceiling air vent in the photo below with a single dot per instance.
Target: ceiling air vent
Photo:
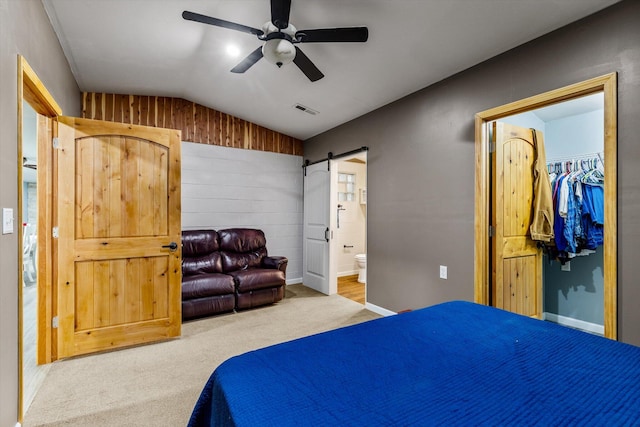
(305, 109)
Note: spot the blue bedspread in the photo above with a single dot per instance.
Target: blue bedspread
(456, 363)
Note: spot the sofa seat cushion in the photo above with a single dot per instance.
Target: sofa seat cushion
(252, 279)
(206, 285)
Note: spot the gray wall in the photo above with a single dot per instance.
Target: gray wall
(25, 30)
(226, 187)
(421, 162)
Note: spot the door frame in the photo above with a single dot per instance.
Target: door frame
(482, 276)
(333, 201)
(32, 90)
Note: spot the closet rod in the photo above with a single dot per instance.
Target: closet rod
(587, 156)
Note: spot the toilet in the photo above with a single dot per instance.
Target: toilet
(361, 259)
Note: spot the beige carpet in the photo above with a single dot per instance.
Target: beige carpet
(158, 384)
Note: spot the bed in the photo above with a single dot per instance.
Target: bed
(456, 363)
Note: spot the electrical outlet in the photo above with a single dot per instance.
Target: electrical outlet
(443, 272)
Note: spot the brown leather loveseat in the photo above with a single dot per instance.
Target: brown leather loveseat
(227, 270)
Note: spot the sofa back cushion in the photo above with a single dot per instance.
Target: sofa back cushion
(242, 248)
(200, 252)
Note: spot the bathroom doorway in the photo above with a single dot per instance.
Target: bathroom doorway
(36, 110)
(335, 197)
(349, 224)
(33, 372)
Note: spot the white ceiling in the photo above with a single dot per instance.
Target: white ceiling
(144, 47)
(582, 105)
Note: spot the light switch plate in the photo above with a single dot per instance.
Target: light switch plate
(443, 271)
(7, 220)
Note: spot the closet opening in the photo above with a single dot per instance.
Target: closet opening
(580, 292)
(572, 267)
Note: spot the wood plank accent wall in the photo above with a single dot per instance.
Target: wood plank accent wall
(198, 123)
(246, 188)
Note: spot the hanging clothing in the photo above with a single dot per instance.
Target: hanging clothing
(593, 215)
(541, 228)
(572, 219)
(578, 201)
(558, 225)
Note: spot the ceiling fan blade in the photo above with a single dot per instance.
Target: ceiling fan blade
(192, 16)
(280, 10)
(351, 34)
(248, 61)
(306, 66)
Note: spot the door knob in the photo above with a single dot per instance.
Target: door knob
(172, 246)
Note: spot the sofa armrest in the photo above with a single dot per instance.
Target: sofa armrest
(279, 262)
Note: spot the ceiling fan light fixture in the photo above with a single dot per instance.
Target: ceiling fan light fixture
(279, 51)
(233, 51)
(279, 37)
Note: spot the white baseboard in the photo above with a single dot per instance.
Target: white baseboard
(593, 328)
(294, 281)
(348, 273)
(381, 311)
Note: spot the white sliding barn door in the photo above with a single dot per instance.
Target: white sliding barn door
(317, 229)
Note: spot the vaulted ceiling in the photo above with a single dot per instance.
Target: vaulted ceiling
(144, 47)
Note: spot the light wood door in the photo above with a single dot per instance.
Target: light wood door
(516, 259)
(118, 201)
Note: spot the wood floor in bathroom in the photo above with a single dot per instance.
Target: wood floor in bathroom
(349, 287)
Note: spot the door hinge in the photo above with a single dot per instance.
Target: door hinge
(492, 146)
(55, 232)
(492, 231)
(54, 322)
(56, 142)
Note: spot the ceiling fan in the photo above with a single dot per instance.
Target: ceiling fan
(280, 37)
(29, 163)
